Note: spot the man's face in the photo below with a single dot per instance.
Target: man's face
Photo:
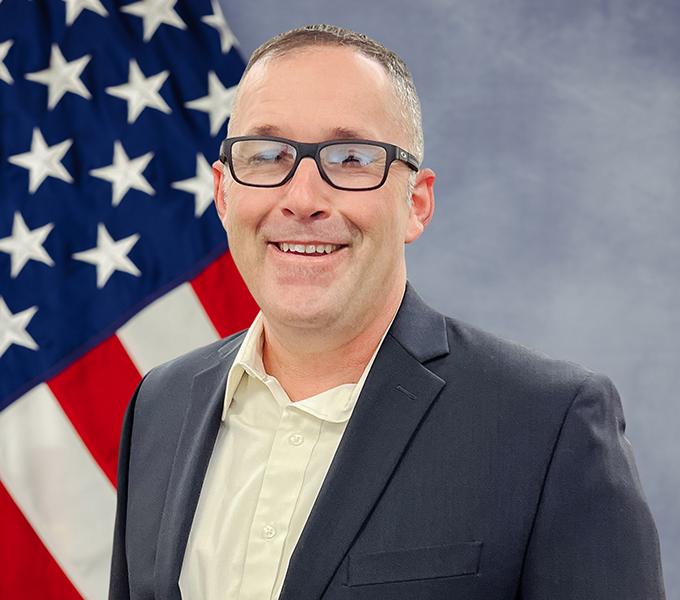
(313, 95)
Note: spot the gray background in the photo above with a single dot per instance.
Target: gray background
(554, 128)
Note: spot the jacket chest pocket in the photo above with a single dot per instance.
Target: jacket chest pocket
(411, 564)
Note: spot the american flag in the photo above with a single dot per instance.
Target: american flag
(112, 259)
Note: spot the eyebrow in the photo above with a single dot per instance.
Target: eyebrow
(339, 133)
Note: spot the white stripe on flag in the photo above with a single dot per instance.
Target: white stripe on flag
(59, 487)
(170, 326)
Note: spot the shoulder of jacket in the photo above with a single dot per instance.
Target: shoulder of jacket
(183, 368)
(500, 358)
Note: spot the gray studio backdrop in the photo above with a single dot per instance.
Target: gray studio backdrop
(554, 129)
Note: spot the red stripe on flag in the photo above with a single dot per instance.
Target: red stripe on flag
(28, 569)
(225, 296)
(94, 392)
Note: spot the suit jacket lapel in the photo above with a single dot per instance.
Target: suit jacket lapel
(196, 441)
(396, 396)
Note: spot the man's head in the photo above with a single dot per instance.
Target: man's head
(312, 85)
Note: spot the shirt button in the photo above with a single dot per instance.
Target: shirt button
(268, 532)
(296, 439)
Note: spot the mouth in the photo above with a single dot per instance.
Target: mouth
(307, 249)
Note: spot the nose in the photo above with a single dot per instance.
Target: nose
(306, 193)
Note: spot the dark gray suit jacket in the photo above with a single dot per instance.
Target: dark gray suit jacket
(471, 469)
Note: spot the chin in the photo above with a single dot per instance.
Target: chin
(302, 318)
(303, 307)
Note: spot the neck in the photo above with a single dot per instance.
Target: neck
(307, 362)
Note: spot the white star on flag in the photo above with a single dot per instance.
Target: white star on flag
(62, 77)
(140, 91)
(75, 7)
(200, 185)
(109, 255)
(218, 103)
(124, 173)
(4, 71)
(13, 327)
(217, 20)
(43, 161)
(154, 13)
(25, 244)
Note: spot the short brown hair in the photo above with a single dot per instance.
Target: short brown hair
(331, 35)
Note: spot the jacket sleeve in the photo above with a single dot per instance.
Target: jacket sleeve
(593, 534)
(119, 588)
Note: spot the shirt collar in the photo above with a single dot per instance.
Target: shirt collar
(327, 405)
(248, 360)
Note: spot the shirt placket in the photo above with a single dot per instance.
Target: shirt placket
(291, 451)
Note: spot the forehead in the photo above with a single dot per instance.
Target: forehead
(314, 92)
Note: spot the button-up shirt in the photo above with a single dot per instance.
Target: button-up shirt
(269, 461)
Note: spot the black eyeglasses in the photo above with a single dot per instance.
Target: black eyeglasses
(353, 165)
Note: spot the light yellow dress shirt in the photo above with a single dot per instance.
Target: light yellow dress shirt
(269, 461)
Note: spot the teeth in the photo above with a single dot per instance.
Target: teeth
(305, 248)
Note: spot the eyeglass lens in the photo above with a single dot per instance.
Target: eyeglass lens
(348, 165)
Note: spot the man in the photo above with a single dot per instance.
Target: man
(354, 443)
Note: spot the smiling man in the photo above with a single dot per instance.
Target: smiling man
(354, 443)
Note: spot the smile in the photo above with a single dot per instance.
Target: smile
(316, 249)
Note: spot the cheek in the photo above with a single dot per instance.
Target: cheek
(225, 197)
(380, 220)
(243, 219)
(237, 211)
(388, 219)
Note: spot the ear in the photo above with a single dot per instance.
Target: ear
(422, 205)
(218, 174)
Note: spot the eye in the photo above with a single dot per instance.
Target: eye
(348, 157)
(354, 160)
(271, 155)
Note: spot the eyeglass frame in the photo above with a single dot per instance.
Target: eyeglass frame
(313, 151)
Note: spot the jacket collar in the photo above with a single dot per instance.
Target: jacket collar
(195, 445)
(419, 329)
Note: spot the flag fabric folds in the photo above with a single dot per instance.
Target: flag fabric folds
(112, 259)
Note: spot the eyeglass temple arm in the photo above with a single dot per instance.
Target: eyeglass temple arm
(407, 157)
